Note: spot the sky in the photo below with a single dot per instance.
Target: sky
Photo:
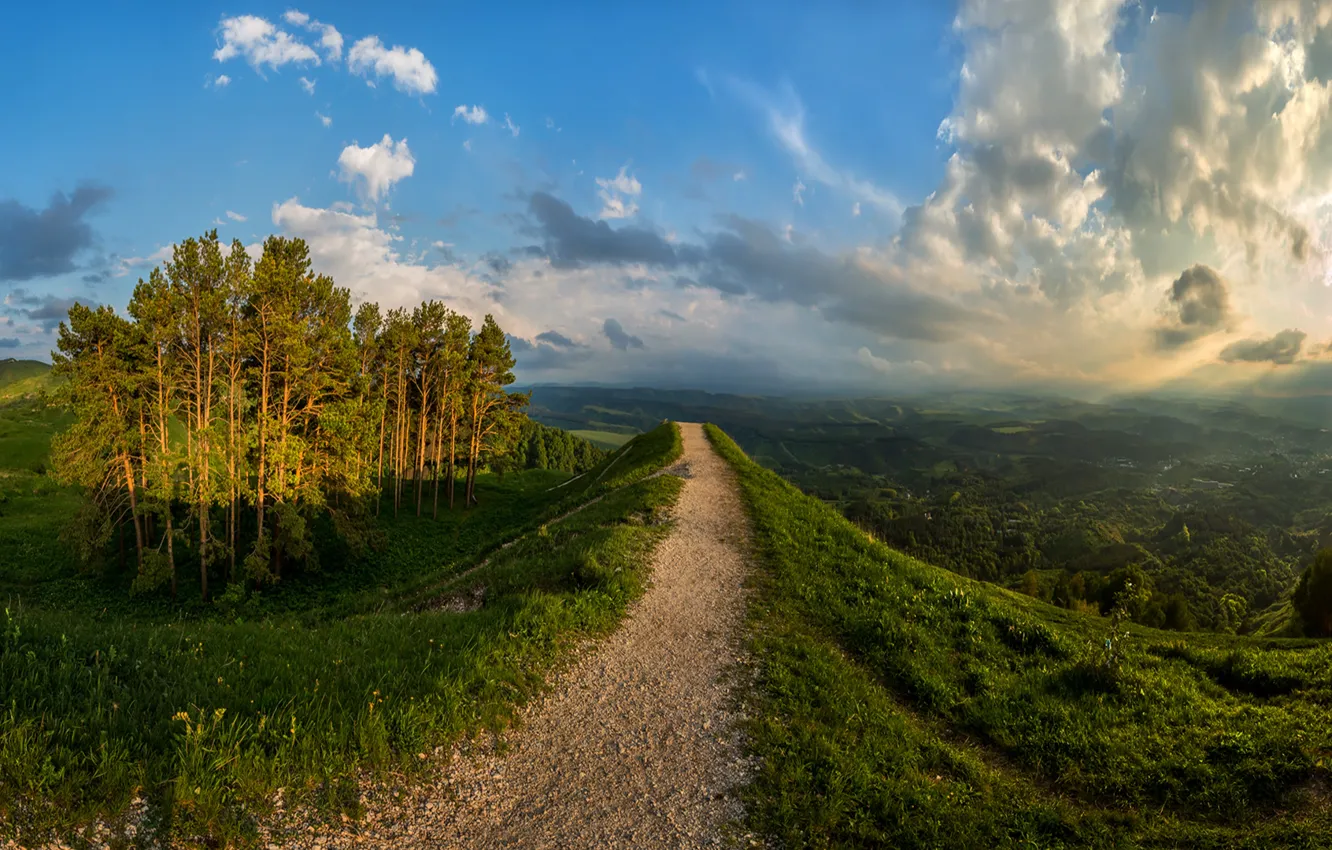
(1087, 197)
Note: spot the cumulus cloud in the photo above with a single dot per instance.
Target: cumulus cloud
(260, 43)
(10, 342)
(221, 81)
(324, 119)
(378, 166)
(620, 339)
(474, 115)
(359, 253)
(329, 38)
(1283, 348)
(408, 68)
(44, 242)
(1198, 304)
(746, 258)
(619, 194)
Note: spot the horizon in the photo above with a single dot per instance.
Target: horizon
(755, 197)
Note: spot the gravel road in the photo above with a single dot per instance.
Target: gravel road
(636, 745)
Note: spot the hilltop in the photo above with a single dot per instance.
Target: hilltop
(22, 378)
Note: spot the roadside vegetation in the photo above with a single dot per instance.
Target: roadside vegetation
(900, 704)
(223, 575)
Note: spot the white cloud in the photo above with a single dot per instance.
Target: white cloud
(308, 85)
(324, 119)
(260, 43)
(739, 175)
(329, 38)
(618, 194)
(510, 126)
(410, 71)
(127, 264)
(475, 115)
(798, 192)
(221, 81)
(467, 145)
(855, 209)
(235, 216)
(379, 166)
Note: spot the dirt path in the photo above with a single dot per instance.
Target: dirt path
(635, 747)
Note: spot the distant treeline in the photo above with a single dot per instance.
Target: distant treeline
(241, 401)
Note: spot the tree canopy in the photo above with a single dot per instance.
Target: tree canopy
(242, 400)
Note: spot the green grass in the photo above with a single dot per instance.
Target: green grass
(604, 439)
(206, 717)
(898, 704)
(23, 378)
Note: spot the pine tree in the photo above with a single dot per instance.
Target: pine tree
(100, 450)
(490, 408)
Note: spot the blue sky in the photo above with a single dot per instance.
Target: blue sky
(840, 194)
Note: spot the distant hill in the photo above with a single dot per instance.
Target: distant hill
(22, 378)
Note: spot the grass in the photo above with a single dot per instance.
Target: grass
(898, 704)
(207, 717)
(604, 439)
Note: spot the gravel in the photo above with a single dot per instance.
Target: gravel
(636, 746)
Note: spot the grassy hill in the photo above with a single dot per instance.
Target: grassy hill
(897, 704)
(313, 683)
(20, 378)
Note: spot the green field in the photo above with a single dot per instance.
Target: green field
(897, 704)
(308, 685)
(604, 439)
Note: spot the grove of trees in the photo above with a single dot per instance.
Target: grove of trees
(240, 401)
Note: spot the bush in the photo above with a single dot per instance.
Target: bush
(1313, 595)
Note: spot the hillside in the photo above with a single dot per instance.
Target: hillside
(1217, 506)
(328, 678)
(898, 704)
(19, 378)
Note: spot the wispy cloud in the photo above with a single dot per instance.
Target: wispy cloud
(785, 116)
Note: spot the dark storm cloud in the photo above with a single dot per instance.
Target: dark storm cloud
(670, 314)
(543, 354)
(571, 240)
(1199, 304)
(9, 342)
(745, 257)
(41, 243)
(556, 339)
(620, 339)
(1283, 349)
(46, 310)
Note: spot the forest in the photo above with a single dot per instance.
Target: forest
(241, 403)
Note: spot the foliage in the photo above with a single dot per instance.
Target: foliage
(899, 704)
(243, 401)
(1313, 595)
(325, 676)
